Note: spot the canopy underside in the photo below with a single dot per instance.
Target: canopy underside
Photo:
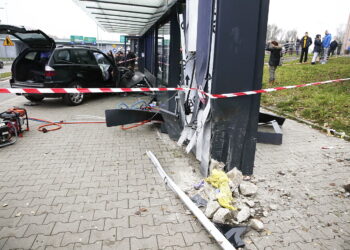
(132, 17)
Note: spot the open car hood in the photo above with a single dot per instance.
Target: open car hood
(33, 38)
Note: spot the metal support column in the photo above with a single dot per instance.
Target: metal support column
(238, 66)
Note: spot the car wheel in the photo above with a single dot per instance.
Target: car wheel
(34, 98)
(74, 99)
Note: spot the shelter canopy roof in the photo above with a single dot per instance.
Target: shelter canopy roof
(132, 17)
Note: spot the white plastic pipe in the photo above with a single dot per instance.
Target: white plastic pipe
(208, 225)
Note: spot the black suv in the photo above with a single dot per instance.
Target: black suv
(43, 65)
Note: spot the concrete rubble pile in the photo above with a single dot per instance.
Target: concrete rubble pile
(242, 209)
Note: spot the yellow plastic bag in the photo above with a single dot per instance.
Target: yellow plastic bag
(220, 180)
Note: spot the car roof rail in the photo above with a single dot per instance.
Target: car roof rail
(76, 46)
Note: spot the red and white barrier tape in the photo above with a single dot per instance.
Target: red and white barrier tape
(126, 90)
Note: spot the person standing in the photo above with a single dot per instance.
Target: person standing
(286, 47)
(118, 58)
(131, 57)
(325, 45)
(291, 48)
(110, 55)
(297, 46)
(305, 43)
(275, 59)
(340, 44)
(317, 49)
(332, 47)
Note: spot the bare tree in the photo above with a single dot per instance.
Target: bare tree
(273, 32)
(340, 33)
(291, 35)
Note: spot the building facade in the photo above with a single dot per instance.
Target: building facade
(346, 41)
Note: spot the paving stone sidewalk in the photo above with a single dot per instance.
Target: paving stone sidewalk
(92, 187)
(89, 187)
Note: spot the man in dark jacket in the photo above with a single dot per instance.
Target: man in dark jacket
(317, 48)
(340, 44)
(131, 57)
(305, 43)
(332, 48)
(275, 59)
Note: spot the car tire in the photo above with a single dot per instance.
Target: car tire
(74, 99)
(34, 98)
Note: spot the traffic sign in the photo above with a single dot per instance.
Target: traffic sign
(8, 42)
(123, 39)
(90, 40)
(77, 39)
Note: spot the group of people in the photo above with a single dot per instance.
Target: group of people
(323, 48)
(119, 58)
(291, 47)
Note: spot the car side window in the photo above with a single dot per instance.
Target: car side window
(63, 57)
(83, 56)
(101, 59)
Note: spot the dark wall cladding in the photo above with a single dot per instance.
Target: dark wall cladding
(149, 40)
(238, 66)
(204, 30)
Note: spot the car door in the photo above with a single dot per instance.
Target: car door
(107, 68)
(33, 38)
(88, 70)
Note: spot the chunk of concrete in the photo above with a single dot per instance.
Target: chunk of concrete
(248, 189)
(214, 164)
(256, 224)
(208, 192)
(236, 178)
(222, 215)
(249, 203)
(273, 206)
(243, 213)
(212, 207)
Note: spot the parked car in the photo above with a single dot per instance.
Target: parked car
(45, 65)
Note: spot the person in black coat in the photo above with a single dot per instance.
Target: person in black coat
(275, 59)
(317, 48)
(305, 43)
(332, 48)
(110, 55)
(131, 58)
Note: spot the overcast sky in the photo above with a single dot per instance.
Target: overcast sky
(63, 18)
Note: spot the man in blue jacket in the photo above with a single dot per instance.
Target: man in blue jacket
(326, 42)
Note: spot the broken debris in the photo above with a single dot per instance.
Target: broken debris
(247, 188)
(242, 214)
(233, 234)
(199, 201)
(219, 179)
(212, 207)
(222, 215)
(256, 224)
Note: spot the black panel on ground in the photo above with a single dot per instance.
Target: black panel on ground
(265, 118)
(117, 117)
(238, 66)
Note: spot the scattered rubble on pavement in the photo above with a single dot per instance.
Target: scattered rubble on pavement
(231, 198)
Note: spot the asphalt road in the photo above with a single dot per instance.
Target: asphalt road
(6, 68)
(5, 84)
(4, 97)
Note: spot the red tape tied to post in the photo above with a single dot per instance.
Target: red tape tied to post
(128, 90)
